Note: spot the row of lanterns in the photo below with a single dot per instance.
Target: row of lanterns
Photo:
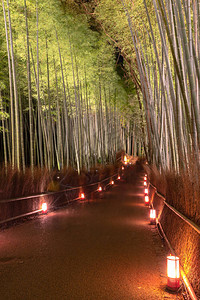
(126, 160)
(173, 272)
(100, 189)
(152, 213)
(44, 206)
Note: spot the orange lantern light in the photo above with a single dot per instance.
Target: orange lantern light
(146, 199)
(152, 216)
(173, 273)
(118, 177)
(122, 168)
(146, 191)
(82, 196)
(112, 182)
(125, 158)
(145, 178)
(145, 183)
(44, 207)
(100, 189)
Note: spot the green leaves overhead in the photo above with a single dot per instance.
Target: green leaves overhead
(60, 88)
(90, 49)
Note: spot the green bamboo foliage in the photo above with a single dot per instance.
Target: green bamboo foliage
(58, 115)
(12, 134)
(29, 90)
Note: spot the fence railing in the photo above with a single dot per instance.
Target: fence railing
(184, 218)
(190, 223)
(12, 209)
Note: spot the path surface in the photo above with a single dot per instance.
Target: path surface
(104, 249)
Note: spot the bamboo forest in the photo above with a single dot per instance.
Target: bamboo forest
(82, 80)
(100, 149)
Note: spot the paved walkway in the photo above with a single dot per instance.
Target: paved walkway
(104, 249)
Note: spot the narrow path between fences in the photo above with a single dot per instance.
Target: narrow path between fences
(103, 248)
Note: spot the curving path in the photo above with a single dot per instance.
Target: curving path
(103, 249)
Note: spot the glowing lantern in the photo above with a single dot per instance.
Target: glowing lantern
(122, 168)
(125, 158)
(145, 183)
(82, 196)
(145, 178)
(118, 177)
(173, 273)
(152, 216)
(146, 199)
(112, 182)
(44, 207)
(100, 189)
(146, 191)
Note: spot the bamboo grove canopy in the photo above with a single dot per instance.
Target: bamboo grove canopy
(61, 97)
(159, 41)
